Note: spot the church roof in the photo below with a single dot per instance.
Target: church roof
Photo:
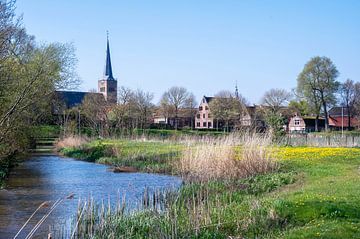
(73, 98)
(108, 69)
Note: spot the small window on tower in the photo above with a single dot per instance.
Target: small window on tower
(111, 89)
(102, 89)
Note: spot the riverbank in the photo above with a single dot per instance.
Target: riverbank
(143, 156)
(312, 193)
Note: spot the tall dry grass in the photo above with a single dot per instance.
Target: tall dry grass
(72, 141)
(230, 157)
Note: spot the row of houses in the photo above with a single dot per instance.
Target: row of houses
(201, 118)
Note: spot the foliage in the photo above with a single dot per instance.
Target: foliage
(29, 74)
(317, 84)
(300, 107)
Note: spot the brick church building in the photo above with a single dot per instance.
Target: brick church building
(107, 87)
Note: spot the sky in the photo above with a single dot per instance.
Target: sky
(203, 45)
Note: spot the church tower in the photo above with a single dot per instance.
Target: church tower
(108, 85)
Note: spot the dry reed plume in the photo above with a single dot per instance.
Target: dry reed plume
(234, 156)
(71, 141)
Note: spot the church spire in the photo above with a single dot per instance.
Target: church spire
(108, 69)
(236, 91)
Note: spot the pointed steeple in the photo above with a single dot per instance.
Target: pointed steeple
(236, 91)
(108, 69)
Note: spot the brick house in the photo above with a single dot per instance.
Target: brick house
(298, 124)
(339, 118)
(205, 120)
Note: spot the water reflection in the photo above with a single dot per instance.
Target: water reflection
(50, 178)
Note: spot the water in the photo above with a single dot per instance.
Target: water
(50, 178)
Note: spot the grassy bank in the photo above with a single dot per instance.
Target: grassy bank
(311, 193)
(145, 156)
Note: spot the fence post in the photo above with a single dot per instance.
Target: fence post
(353, 141)
(346, 141)
(328, 137)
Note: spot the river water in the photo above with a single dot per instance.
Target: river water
(49, 178)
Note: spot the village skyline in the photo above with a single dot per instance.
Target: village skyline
(174, 44)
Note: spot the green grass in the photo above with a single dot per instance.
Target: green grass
(315, 194)
(147, 156)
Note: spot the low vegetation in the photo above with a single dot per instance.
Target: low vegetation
(254, 190)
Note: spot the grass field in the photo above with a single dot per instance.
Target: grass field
(313, 193)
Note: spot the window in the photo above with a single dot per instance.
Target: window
(102, 89)
(197, 124)
(200, 108)
(198, 116)
(111, 89)
(209, 124)
(204, 116)
(297, 122)
(206, 108)
(204, 124)
(209, 115)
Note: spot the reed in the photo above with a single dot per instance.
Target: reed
(230, 157)
(72, 141)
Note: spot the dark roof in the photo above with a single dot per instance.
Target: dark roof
(208, 98)
(72, 98)
(337, 111)
(108, 69)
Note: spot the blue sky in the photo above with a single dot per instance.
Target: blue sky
(205, 46)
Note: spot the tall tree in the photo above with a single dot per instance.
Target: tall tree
(177, 98)
(29, 73)
(317, 83)
(349, 92)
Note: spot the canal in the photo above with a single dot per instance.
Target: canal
(49, 178)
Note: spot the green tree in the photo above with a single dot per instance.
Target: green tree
(29, 74)
(317, 84)
(301, 107)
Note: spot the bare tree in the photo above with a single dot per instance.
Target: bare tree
(350, 93)
(143, 107)
(276, 98)
(175, 99)
(95, 109)
(228, 108)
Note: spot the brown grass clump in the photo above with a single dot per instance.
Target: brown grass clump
(227, 158)
(71, 142)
